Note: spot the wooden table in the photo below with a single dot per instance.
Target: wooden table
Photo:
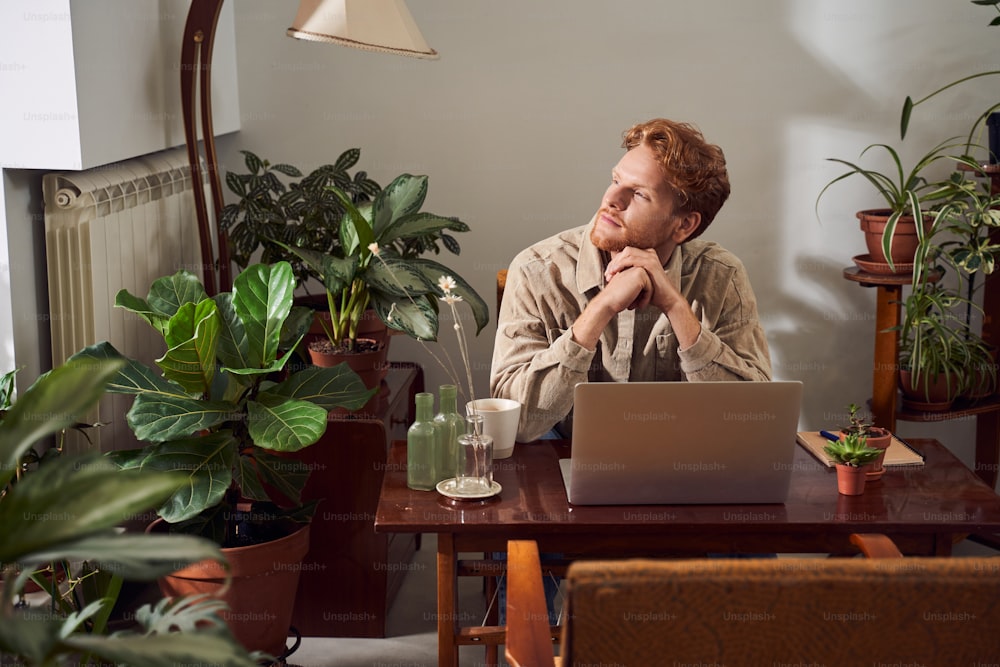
(924, 509)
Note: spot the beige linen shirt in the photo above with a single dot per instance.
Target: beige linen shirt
(537, 362)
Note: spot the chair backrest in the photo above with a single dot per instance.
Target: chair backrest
(781, 611)
(832, 611)
(501, 283)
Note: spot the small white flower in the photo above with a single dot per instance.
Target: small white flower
(447, 284)
(451, 298)
(373, 248)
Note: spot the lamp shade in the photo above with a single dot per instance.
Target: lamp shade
(375, 25)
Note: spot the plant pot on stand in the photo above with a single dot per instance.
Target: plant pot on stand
(934, 394)
(904, 242)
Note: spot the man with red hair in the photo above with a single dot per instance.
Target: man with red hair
(634, 295)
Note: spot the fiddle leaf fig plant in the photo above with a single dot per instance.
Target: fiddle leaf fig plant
(224, 408)
(66, 512)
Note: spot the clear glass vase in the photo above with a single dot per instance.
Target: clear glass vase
(474, 475)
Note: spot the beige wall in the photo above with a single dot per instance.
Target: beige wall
(518, 125)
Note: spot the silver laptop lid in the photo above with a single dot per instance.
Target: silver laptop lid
(683, 442)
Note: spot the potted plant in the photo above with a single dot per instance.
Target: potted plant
(875, 437)
(968, 225)
(892, 234)
(377, 265)
(67, 510)
(227, 411)
(852, 456)
(303, 213)
(936, 348)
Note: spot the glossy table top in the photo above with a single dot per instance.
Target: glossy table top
(943, 496)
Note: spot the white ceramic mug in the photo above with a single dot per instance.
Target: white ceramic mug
(500, 418)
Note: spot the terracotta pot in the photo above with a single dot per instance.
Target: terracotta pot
(260, 596)
(371, 366)
(370, 325)
(878, 438)
(851, 479)
(936, 396)
(904, 239)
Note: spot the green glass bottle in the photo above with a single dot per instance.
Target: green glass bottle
(420, 441)
(449, 425)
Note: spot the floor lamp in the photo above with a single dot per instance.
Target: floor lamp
(374, 25)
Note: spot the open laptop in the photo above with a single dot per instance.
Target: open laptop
(642, 443)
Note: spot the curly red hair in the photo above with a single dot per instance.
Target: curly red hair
(694, 168)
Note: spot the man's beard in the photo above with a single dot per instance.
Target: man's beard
(624, 240)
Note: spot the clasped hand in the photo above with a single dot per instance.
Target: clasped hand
(635, 279)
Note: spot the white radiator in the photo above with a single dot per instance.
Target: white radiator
(112, 227)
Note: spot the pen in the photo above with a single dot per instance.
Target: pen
(829, 436)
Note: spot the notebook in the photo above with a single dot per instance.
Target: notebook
(899, 453)
(642, 443)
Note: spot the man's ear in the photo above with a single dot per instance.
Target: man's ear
(688, 225)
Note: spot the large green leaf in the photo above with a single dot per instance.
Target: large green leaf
(233, 349)
(416, 224)
(434, 270)
(405, 195)
(296, 326)
(36, 514)
(169, 293)
(124, 299)
(192, 337)
(329, 388)
(135, 556)
(284, 473)
(284, 424)
(245, 477)
(262, 298)
(207, 463)
(395, 277)
(54, 401)
(416, 318)
(133, 377)
(158, 417)
(338, 273)
(355, 231)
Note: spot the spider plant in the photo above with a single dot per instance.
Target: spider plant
(905, 192)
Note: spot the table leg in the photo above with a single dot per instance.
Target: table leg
(447, 602)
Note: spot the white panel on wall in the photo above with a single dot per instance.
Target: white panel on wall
(38, 118)
(88, 82)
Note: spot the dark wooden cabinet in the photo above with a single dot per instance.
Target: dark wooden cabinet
(351, 574)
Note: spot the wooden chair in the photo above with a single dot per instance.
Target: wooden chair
(501, 283)
(830, 611)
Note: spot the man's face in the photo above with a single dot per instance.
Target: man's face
(638, 208)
